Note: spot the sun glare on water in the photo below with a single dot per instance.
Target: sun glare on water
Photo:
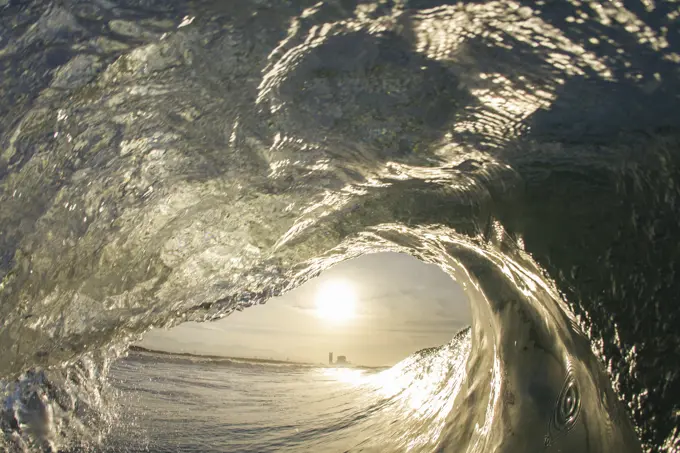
(336, 301)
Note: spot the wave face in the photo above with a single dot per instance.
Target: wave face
(171, 161)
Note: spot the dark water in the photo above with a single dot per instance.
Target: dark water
(171, 161)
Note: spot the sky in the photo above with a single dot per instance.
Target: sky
(376, 310)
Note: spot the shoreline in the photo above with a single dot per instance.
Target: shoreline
(142, 349)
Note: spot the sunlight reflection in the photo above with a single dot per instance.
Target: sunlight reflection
(422, 387)
(352, 376)
(425, 388)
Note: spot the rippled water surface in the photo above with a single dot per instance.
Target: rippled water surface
(173, 403)
(171, 161)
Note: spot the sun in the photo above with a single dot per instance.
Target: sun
(335, 301)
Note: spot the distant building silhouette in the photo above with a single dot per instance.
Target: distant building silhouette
(330, 358)
(341, 359)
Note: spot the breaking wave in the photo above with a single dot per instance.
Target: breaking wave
(162, 162)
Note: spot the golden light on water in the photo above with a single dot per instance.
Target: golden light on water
(336, 301)
(422, 388)
(352, 376)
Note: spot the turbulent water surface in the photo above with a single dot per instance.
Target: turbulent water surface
(163, 161)
(173, 403)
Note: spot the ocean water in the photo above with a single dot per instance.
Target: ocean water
(168, 161)
(178, 403)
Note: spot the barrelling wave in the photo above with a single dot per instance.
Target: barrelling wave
(162, 162)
